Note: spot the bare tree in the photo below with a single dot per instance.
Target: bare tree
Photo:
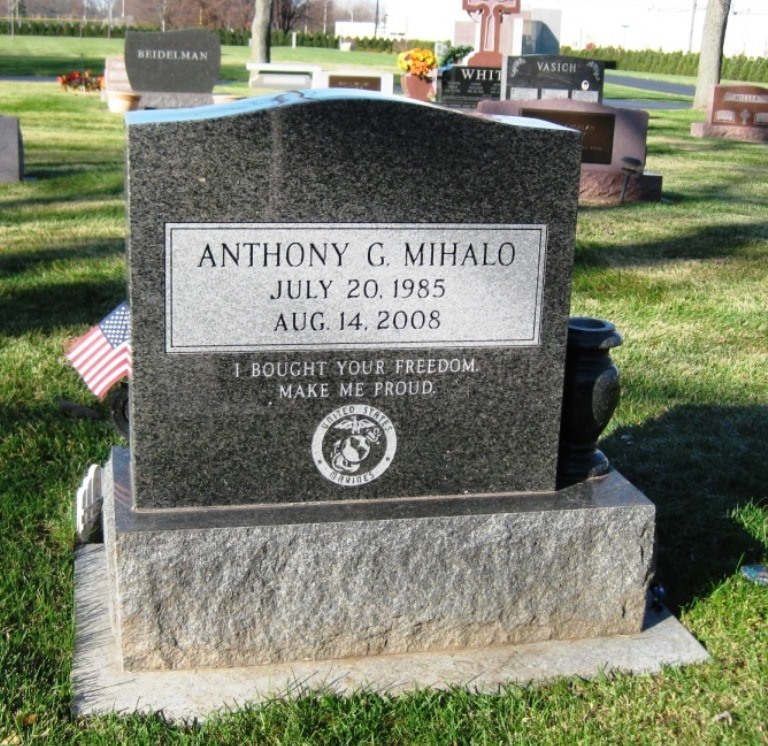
(711, 59)
(260, 31)
(319, 15)
(289, 13)
(103, 9)
(13, 14)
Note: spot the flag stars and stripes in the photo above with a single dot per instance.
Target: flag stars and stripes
(103, 356)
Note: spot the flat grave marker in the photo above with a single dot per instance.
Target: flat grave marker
(359, 80)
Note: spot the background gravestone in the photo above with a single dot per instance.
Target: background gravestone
(552, 77)
(116, 76)
(464, 87)
(736, 112)
(612, 138)
(360, 80)
(11, 150)
(173, 68)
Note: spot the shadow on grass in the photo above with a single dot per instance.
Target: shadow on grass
(703, 242)
(51, 307)
(39, 261)
(53, 193)
(697, 464)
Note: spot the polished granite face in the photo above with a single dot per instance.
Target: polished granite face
(338, 296)
(182, 61)
(610, 135)
(553, 76)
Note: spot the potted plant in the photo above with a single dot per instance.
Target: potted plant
(418, 65)
(119, 102)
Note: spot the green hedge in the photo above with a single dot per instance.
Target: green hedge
(739, 67)
(315, 39)
(231, 37)
(32, 27)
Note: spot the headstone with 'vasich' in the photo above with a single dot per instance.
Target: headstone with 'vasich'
(339, 296)
(552, 77)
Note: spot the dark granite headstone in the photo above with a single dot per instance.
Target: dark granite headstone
(349, 319)
(552, 77)
(174, 68)
(462, 87)
(736, 112)
(11, 150)
(340, 296)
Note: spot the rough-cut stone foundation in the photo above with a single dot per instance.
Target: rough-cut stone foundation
(725, 132)
(244, 586)
(598, 187)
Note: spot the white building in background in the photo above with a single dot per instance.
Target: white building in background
(669, 25)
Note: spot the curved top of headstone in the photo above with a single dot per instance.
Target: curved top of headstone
(185, 61)
(292, 98)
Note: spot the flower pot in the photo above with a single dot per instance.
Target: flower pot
(590, 395)
(119, 102)
(416, 87)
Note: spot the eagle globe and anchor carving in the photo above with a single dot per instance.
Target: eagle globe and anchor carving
(354, 445)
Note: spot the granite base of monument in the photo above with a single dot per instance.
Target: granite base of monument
(598, 187)
(257, 585)
(727, 132)
(101, 685)
(171, 100)
(559, 590)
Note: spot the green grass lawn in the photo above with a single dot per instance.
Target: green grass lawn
(685, 282)
(50, 56)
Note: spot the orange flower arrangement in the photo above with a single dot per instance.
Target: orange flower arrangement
(81, 81)
(419, 62)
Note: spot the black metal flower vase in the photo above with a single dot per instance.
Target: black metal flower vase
(591, 393)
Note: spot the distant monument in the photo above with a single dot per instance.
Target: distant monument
(492, 13)
(173, 69)
(735, 112)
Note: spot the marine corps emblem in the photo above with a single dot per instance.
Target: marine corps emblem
(354, 444)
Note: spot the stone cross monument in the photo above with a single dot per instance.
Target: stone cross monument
(491, 14)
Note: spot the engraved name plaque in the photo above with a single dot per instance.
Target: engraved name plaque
(248, 287)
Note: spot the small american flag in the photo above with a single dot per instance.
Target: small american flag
(103, 356)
